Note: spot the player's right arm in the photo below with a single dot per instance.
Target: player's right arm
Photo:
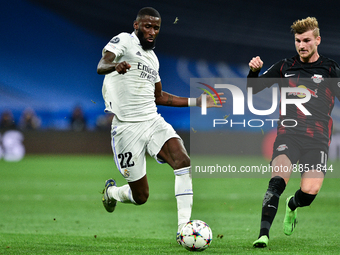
(255, 65)
(106, 64)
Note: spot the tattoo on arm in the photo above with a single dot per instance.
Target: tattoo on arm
(170, 98)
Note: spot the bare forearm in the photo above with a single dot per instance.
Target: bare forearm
(168, 99)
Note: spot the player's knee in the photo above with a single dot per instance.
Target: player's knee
(311, 190)
(311, 186)
(182, 162)
(277, 185)
(141, 198)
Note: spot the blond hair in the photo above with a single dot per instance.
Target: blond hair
(304, 25)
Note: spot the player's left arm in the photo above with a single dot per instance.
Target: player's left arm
(167, 99)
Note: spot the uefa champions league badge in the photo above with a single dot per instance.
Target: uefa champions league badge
(115, 40)
(317, 78)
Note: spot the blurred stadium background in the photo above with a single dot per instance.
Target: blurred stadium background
(50, 50)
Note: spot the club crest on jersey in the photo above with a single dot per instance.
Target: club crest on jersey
(126, 173)
(115, 40)
(282, 147)
(317, 78)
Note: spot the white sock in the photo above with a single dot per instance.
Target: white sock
(122, 194)
(184, 194)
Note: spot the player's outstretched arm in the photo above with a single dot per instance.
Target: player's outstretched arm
(106, 66)
(167, 99)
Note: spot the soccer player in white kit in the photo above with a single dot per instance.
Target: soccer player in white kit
(131, 89)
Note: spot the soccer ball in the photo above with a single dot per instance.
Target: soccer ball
(196, 235)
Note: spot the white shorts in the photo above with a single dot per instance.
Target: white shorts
(131, 140)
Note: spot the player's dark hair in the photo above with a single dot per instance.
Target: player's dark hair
(148, 11)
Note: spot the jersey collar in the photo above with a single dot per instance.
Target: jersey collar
(316, 62)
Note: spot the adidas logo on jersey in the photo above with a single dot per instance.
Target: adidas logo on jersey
(138, 53)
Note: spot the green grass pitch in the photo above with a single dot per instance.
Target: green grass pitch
(52, 205)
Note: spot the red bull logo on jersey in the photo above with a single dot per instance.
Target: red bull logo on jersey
(301, 94)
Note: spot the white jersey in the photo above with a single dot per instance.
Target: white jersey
(131, 97)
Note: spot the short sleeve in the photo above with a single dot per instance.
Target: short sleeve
(118, 44)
